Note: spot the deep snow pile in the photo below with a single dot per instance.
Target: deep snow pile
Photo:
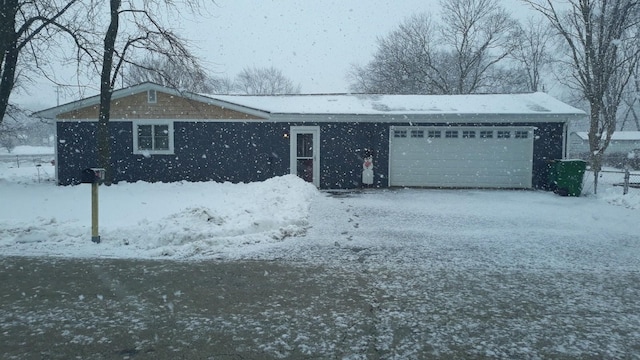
(174, 220)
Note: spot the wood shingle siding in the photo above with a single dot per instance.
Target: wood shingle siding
(167, 106)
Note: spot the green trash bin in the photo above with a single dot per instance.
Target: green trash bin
(566, 176)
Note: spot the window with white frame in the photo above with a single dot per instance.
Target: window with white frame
(520, 134)
(153, 137)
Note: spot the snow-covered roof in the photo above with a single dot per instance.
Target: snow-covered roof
(618, 135)
(479, 105)
(523, 104)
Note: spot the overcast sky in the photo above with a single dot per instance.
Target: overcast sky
(314, 43)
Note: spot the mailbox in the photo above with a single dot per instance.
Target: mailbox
(92, 176)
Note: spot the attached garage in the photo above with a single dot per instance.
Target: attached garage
(459, 157)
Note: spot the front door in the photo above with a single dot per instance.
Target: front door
(305, 150)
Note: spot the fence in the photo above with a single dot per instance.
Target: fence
(625, 180)
(21, 160)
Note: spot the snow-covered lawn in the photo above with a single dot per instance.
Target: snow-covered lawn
(484, 273)
(231, 221)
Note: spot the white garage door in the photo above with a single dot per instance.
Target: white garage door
(486, 157)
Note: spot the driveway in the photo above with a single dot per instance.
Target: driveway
(406, 274)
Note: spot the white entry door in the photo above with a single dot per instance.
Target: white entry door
(305, 153)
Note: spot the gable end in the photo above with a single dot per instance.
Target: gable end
(166, 106)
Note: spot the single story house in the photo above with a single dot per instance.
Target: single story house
(460, 141)
(621, 142)
(623, 150)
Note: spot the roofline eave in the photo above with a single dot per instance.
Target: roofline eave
(52, 112)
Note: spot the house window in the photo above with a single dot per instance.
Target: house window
(417, 133)
(519, 134)
(468, 134)
(152, 97)
(153, 138)
(435, 134)
(451, 134)
(400, 133)
(503, 134)
(486, 134)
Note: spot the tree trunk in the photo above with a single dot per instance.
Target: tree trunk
(595, 155)
(8, 52)
(106, 90)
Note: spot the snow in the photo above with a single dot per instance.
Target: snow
(618, 135)
(186, 220)
(505, 104)
(27, 150)
(145, 220)
(485, 273)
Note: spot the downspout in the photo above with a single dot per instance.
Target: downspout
(55, 149)
(390, 130)
(565, 132)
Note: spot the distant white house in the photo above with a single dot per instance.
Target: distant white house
(622, 142)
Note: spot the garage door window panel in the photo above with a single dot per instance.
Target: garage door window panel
(435, 134)
(400, 133)
(468, 134)
(485, 134)
(451, 134)
(417, 133)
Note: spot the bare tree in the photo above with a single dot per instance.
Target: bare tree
(11, 128)
(480, 33)
(174, 72)
(460, 54)
(531, 52)
(20, 128)
(221, 85)
(405, 62)
(131, 28)
(169, 71)
(601, 38)
(264, 81)
(630, 100)
(22, 24)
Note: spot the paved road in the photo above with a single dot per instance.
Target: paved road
(135, 309)
(119, 309)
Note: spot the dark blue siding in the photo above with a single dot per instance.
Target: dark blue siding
(342, 153)
(547, 146)
(76, 149)
(255, 151)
